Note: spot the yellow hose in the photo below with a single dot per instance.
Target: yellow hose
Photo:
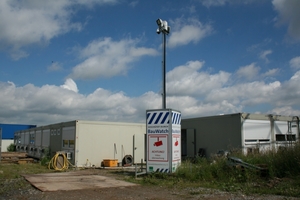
(57, 164)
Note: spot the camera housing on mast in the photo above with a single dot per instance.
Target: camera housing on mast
(162, 27)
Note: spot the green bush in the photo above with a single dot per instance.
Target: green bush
(46, 157)
(281, 163)
(281, 174)
(11, 147)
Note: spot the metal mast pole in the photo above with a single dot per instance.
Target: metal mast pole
(164, 29)
(164, 104)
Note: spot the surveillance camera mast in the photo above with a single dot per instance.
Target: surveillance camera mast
(165, 30)
(163, 126)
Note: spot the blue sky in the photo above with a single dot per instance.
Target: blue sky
(101, 59)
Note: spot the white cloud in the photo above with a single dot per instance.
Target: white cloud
(249, 72)
(252, 72)
(29, 100)
(285, 110)
(107, 58)
(133, 3)
(51, 104)
(289, 92)
(271, 72)
(289, 14)
(25, 23)
(295, 63)
(263, 55)
(187, 80)
(191, 107)
(70, 85)
(185, 31)
(251, 93)
(93, 2)
(55, 66)
(209, 3)
(296, 76)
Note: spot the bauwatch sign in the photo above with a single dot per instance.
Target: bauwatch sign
(163, 140)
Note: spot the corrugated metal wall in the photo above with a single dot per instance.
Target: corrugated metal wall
(241, 131)
(214, 133)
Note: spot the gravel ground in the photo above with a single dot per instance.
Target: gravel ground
(28, 192)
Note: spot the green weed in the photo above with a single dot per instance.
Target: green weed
(11, 147)
(11, 175)
(281, 174)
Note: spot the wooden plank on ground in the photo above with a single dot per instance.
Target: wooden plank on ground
(25, 160)
(15, 157)
(73, 181)
(13, 154)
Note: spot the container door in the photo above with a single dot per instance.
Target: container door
(55, 141)
(190, 141)
(68, 142)
(188, 147)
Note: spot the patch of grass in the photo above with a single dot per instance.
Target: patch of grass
(11, 185)
(11, 175)
(11, 171)
(280, 177)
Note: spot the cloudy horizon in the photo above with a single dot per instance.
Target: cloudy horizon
(64, 60)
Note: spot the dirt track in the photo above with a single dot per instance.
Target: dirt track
(134, 192)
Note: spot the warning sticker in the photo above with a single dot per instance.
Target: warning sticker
(158, 148)
(176, 155)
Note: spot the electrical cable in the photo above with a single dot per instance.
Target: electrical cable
(58, 164)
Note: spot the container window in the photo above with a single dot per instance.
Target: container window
(65, 143)
(264, 140)
(53, 132)
(72, 143)
(280, 137)
(251, 140)
(32, 138)
(291, 137)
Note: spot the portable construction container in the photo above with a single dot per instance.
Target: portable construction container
(8, 131)
(86, 143)
(205, 136)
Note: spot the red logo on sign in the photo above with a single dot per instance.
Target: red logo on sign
(158, 143)
(176, 143)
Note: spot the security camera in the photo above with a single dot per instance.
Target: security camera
(158, 31)
(159, 22)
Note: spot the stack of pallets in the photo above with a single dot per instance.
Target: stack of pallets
(15, 157)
